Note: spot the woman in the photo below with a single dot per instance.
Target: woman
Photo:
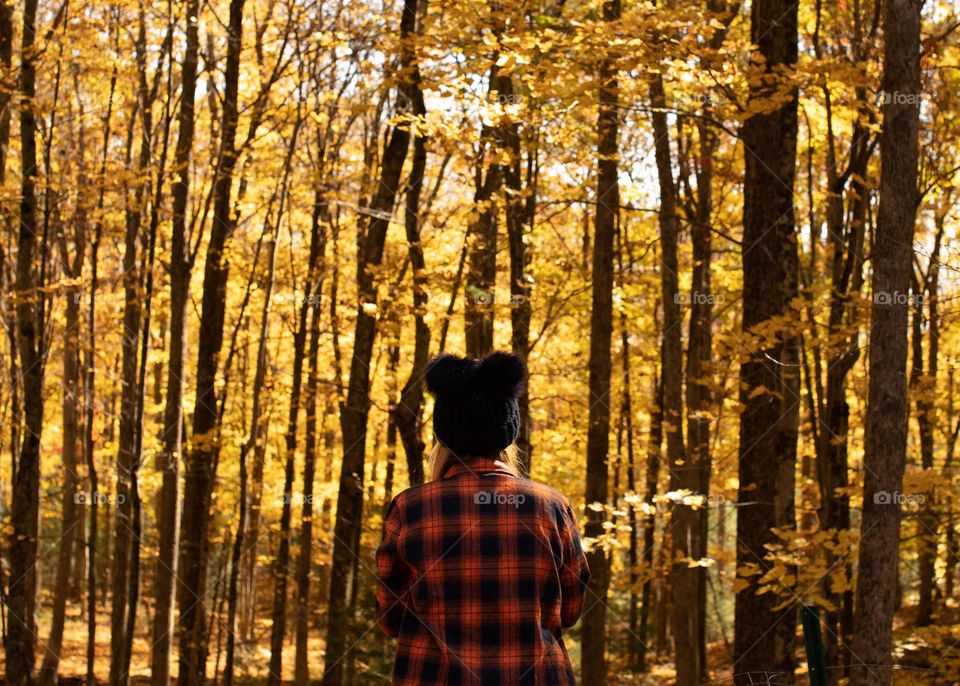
(479, 570)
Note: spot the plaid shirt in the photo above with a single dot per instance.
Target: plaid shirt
(478, 574)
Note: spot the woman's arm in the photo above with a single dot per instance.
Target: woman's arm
(392, 574)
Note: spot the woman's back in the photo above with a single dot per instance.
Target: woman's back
(480, 572)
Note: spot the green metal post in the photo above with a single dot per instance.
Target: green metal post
(813, 640)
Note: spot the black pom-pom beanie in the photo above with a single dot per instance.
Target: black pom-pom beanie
(476, 412)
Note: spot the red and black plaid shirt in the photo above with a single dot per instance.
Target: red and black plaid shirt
(479, 572)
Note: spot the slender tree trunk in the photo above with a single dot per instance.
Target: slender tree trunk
(652, 480)
(282, 560)
(305, 558)
(698, 372)
(71, 530)
(769, 388)
(924, 387)
(127, 457)
(594, 668)
(202, 456)
(635, 640)
(173, 420)
(89, 395)
(407, 415)
(254, 436)
(685, 526)
(25, 515)
(353, 413)
(885, 433)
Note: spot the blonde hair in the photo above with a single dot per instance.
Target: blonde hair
(441, 458)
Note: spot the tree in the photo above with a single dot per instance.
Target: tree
(172, 436)
(204, 447)
(25, 515)
(601, 332)
(886, 422)
(354, 412)
(769, 389)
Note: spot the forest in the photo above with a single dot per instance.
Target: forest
(721, 233)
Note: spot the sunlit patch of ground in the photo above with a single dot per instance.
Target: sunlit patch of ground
(252, 660)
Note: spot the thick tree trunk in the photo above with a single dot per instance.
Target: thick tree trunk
(886, 423)
(202, 456)
(769, 388)
(594, 665)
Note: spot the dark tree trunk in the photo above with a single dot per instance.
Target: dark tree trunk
(71, 532)
(685, 526)
(254, 437)
(305, 558)
(354, 412)
(172, 437)
(89, 396)
(652, 480)
(25, 511)
(924, 387)
(408, 412)
(698, 374)
(594, 665)
(769, 388)
(282, 560)
(885, 433)
(202, 456)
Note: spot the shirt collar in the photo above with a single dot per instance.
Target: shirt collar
(477, 465)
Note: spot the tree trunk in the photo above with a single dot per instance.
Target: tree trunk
(924, 387)
(769, 389)
(282, 560)
(71, 530)
(254, 437)
(172, 437)
(25, 510)
(685, 525)
(885, 434)
(204, 448)
(698, 374)
(601, 331)
(305, 558)
(353, 414)
(127, 457)
(408, 412)
(650, 524)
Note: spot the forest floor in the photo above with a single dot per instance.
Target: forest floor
(929, 656)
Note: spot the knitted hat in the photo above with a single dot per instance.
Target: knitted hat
(476, 411)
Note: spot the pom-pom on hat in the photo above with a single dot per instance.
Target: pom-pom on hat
(476, 412)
